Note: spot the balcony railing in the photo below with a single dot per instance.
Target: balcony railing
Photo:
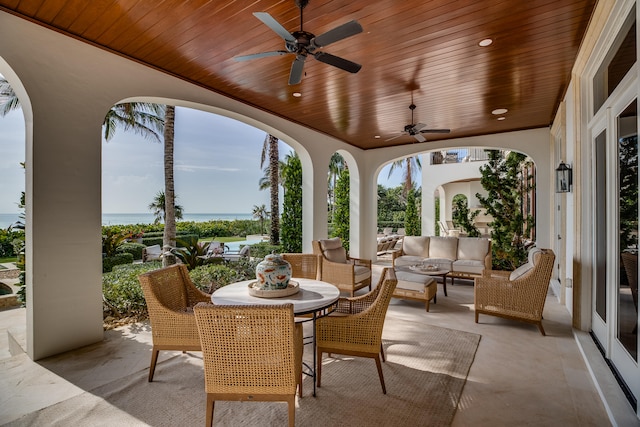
(461, 155)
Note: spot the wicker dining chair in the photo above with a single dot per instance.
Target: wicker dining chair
(306, 266)
(519, 298)
(346, 273)
(354, 305)
(249, 354)
(170, 295)
(358, 334)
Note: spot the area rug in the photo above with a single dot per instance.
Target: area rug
(425, 372)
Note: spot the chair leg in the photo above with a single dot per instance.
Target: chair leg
(379, 366)
(541, 329)
(154, 360)
(477, 314)
(319, 368)
(208, 422)
(382, 352)
(426, 305)
(292, 411)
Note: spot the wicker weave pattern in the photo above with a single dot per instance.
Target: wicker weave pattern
(170, 295)
(522, 299)
(305, 266)
(353, 305)
(342, 275)
(248, 349)
(358, 334)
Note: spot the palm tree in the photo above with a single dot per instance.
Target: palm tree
(158, 208)
(270, 148)
(336, 166)
(261, 213)
(410, 165)
(170, 208)
(144, 119)
(8, 99)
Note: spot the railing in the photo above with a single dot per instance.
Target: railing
(461, 155)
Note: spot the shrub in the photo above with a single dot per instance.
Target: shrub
(122, 292)
(262, 249)
(150, 241)
(135, 249)
(118, 259)
(212, 276)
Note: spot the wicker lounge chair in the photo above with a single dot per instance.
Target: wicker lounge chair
(170, 295)
(357, 334)
(249, 354)
(348, 274)
(521, 295)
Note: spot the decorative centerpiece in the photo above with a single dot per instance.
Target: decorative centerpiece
(273, 278)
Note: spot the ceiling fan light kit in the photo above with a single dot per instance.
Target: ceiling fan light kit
(302, 43)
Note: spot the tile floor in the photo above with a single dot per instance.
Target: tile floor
(518, 376)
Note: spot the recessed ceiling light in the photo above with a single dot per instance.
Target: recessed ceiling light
(376, 136)
(485, 42)
(297, 94)
(499, 111)
(501, 118)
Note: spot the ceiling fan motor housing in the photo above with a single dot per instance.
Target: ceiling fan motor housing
(302, 45)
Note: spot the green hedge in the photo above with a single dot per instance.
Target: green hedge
(111, 261)
(135, 249)
(262, 249)
(215, 228)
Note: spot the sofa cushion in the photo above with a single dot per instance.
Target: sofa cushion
(468, 266)
(534, 254)
(405, 260)
(361, 273)
(442, 263)
(416, 246)
(472, 248)
(333, 251)
(443, 247)
(520, 271)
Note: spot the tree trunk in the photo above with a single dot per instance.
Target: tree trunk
(274, 166)
(169, 236)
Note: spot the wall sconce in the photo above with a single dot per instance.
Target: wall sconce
(564, 178)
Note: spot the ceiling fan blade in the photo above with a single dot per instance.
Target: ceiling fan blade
(340, 32)
(394, 137)
(260, 55)
(418, 126)
(274, 25)
(336, 61)
(435, 131)
(295, 76)
(419, 137)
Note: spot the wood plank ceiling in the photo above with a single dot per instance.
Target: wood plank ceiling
(419, 51)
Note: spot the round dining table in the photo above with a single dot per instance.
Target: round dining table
(314, 298)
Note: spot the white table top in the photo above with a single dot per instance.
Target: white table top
(313, 295)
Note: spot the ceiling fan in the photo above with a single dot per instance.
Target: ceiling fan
(417, 129)
(302, 43)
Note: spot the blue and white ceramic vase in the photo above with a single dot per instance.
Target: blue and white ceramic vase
(273, 273)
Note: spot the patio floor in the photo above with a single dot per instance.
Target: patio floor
(518, 376)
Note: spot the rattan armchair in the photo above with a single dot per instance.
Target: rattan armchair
(170, 295)
(306, 266)
(249, 354)
(520, 298)
(358, 334)
(346, 273)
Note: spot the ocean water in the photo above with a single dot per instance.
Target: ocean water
(141, 218)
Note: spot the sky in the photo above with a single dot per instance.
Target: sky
(216, 166)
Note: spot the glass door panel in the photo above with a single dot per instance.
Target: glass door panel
(627, 286)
